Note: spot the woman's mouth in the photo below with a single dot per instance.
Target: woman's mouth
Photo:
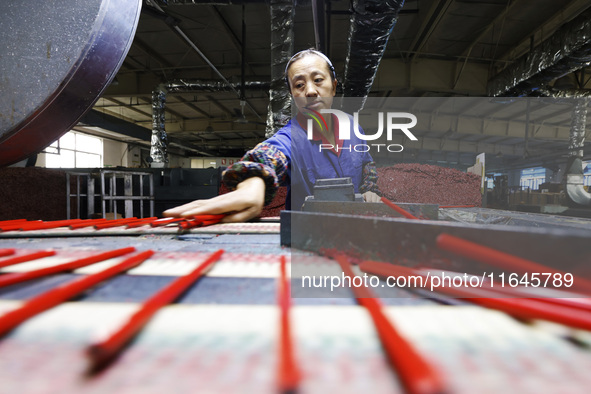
(313, 104)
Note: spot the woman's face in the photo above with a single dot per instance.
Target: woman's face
(311, 84)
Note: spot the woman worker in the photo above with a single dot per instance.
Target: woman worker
(289, 157)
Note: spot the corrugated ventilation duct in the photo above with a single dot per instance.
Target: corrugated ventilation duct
(159, 142)
(188, 85)
(576, 193)
(569, 49)
(282, 47)
(563, 93)
(371, 25)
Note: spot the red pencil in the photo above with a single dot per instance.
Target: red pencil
(86, 223)
(395, 207)
(200, 221)
(289, 374)
(26, 257)
(47, 225)
(12, 221)
(165, 221)
(6, 252)
(415, 372)
(62, 293)
(17, 225)
(105, 350)
(142, 222)
(555, 296)
(115, 223)
(17, 277)
(188, 224)
(207, 217)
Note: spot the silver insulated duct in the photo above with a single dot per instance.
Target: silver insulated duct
(371, 25)
(563, 93)
(189, 85)
(575, 192)
(282, 46)
(567, 50)
(159, 142)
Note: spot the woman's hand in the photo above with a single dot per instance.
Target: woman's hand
(371, 197)
(240, 205)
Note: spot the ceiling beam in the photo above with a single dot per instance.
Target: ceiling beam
(468, 51)
(236, 42)
(434, 16)
(144, 47)
(220, 105)
(193, 107)
(128, 106)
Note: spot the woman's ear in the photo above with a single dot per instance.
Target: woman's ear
(334, 87)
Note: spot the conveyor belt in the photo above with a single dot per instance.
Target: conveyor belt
(221, 336)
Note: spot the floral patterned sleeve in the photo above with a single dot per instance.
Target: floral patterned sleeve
(264, 161)
(370, 179)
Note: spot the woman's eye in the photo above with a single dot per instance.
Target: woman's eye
(319, 80)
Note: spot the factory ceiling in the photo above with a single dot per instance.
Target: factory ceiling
(437, 49)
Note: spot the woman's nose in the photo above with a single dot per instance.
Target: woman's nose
(311, 90)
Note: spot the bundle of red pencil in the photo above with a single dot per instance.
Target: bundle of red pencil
(200, 221)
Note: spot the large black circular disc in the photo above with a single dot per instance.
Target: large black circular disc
(56, 59)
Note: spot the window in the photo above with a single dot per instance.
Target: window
(490, 179)
(75, 151)
(532, 178)
(587, 173)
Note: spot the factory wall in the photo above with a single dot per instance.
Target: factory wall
(215, 162)
(115, 154)
(178, 162)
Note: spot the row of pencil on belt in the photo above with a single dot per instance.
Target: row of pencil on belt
(416, 373)
(99, 224)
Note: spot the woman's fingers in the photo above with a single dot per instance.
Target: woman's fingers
(371, 197)
(242, 216)
(182, 210)
(242, 204)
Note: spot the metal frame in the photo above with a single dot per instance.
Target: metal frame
(413, 242)
(109, 193)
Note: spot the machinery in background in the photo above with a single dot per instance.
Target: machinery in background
(498, 196)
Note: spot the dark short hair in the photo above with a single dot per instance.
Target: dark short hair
(309, 51)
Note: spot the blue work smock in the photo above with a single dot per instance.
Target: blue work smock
(307, 162)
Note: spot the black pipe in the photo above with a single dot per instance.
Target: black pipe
(371, 25)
